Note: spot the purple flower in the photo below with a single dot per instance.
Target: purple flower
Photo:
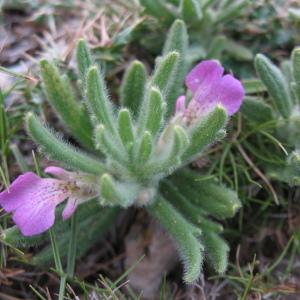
(209, 87)
(33, 200)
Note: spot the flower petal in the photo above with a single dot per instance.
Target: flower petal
(70, 208)
(230, 92)
(9, 198)
(33, 200)
(205, 73)
(13, 197)
(35, 218)
(180, 105)
(58, 172)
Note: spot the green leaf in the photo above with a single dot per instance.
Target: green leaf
(108, 190)
(12, 236)
(217, 47)
(157, 9)
(217, 200)
(230, 11)
(117, 193)
(254, 86)
(238, 51)
(205, 132)
(191, 10)
(125, 127)
(290, 173)
(287, 71)
(177, 40)
(166, 72)
(207, 4)
(296, 71)
(293, 168)
(60, 151)
(277, 87)
(296, 63)
(61, 97)
(145, 148)
(98, 100)
(133, 87)
(217, 251)
(108, 145)
(181, 141)
(184, 234)
(124, 36)
(257, 110)
(151, 117)
(84, 60)
(191, 212)
(171, 159)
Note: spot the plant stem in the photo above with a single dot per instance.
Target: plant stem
(72, 247)
(58, 264)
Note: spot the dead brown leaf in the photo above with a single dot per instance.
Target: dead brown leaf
(160, 257)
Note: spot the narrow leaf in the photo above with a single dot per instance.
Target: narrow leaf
(231, 11)
(145, 148)
(177, 40)
(184, 234)
(166, 71)
(217, 200)
(205, 132)
(108, 145)
(133, 87)
(61, 97)
(217, 251)
(98, 100)
(170, 160)
(296, 71)
(151, 118)
(273, 79)
(125, 127)
(254, 86)
(60, 151)
(84, 60)
(257, 110)
(116, 193)
(157, 9)
(191, 10)
(191, 212)
(238, 51)
(217, 47)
